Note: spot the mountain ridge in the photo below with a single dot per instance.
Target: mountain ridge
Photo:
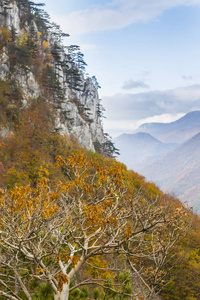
(76, 224)
(35, 61)
(176, 169)
(173, 175)
(187, 126)
(142, 146)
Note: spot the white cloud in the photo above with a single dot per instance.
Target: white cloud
(187, 77)
(130, 84)
(117, 14)
(188, 94)
(164, 118)
(116, 128)
(124, 112)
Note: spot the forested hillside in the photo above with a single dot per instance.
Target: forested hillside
(75, 223)
(35, 66)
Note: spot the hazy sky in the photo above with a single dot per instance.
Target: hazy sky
(144, 53)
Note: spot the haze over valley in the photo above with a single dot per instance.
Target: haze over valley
(168, 154)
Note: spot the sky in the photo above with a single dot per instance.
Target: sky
(145, 55)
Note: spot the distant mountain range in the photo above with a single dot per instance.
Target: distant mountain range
(168, 154)
(178, 131)
(136, 148)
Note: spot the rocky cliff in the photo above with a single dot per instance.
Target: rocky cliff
(34, 60)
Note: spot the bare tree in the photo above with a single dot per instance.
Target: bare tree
(51, 235)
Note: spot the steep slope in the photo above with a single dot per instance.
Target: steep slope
(140, 147)
(178, 171)
(34, 64)
(173, 167)
(178, 131)
(44, 93)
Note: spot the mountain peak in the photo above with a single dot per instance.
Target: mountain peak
(137, 135)
(190, 119)
(35, 63)
(175, 132)
(193, 117)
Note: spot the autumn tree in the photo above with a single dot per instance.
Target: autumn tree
(4, 37)
(97, 215)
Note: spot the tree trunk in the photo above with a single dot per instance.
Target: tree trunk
(64, 294)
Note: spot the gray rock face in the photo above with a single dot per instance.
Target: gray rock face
(81, 122)
(12, 16)
(86, 131)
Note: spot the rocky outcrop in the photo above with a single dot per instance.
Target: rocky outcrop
(78, 111)
(83, 122)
